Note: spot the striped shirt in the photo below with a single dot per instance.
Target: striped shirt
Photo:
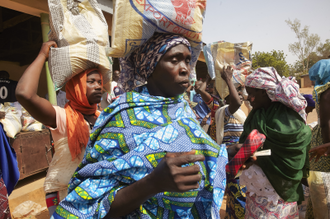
(232, 128)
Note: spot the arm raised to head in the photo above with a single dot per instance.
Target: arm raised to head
(234, 100)
(27, 87)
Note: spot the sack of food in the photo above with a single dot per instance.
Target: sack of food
(81, 33)
(29, 123)
(221, 54)
(135, 21)
(12, 121)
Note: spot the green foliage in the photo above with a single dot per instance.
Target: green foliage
(306, 44)
(323, 52)
(324, 49)
(274, 59)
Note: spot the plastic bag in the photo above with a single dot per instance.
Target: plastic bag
(12, 121)
(135, 21)
(81, 33)
(27, 209)
(221, 54)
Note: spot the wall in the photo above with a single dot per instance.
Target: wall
(305, 81)
(15, 71)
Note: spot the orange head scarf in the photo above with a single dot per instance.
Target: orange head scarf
(77, 129)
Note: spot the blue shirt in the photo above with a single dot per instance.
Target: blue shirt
(201, 108)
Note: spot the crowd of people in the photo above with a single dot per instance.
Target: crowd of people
(160, 150)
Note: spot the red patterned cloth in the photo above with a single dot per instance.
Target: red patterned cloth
(4, 205)
(254, 140)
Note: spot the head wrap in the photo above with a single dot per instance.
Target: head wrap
(284, 90)
(320, 74)
(77, 129)
(139, 65)
(309, 99)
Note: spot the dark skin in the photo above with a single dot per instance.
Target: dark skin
(233, 99)
(258, 99)
(169, 79)
(324, 149)
(40, 108)
(309, 109)
(171, 75)
(115, 75)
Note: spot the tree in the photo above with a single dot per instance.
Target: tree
(324, 49)
(307, 43)
(323, 52)
(274, 59)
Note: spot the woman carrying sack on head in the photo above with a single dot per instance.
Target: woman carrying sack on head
(70, 126)
(148, 156)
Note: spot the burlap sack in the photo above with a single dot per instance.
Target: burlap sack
(135, 21)
(220, 54)
(81, 33)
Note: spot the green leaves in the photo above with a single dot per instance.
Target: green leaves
(274, 59)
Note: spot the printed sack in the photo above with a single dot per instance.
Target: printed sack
(135, 21)
(81, 33)
(220, 54)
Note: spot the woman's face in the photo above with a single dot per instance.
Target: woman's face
(258, 97)
(171, 75)
(94, 88)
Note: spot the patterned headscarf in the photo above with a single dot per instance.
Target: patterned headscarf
(284, 90)
(137, 67)
(320, 74)
(77, 129)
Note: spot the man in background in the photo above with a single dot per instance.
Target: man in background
(115, 91)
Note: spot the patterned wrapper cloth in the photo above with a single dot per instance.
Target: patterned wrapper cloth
(284, 90)
(130, 138)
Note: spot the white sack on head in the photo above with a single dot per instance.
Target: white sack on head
(221, 54)
(81, 33)
(135, 21)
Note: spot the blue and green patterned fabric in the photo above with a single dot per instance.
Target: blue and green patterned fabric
(129, 139)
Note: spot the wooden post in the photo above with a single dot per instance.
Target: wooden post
(50, 86)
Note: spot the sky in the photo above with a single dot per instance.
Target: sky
(262, 22)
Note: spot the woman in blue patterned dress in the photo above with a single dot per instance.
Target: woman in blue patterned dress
(148, 157)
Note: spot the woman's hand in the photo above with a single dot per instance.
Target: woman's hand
(167, 176)
(204, 121)
(317, 152)
(46, 48)
(232, 150)
(249, 162)
(227, 73)
(170, 176)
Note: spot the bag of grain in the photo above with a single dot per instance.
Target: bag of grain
(12, 121)
(221, 54)
(81, 33)
(135, 21)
